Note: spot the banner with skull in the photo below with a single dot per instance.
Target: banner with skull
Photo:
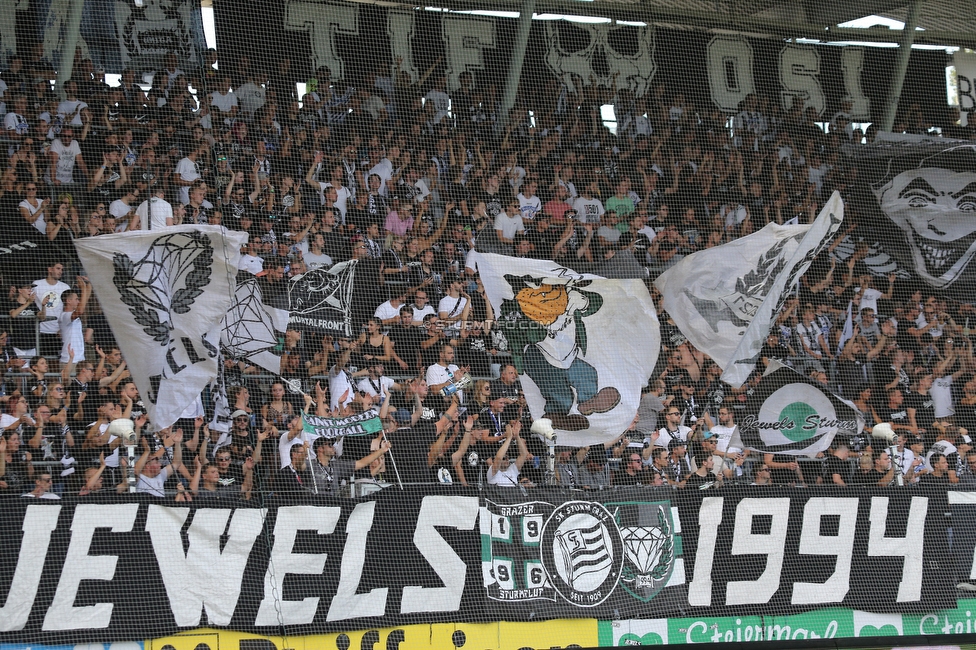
(609, 55)
(916, 205)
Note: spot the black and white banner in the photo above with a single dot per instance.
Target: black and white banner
(707, 69)
(916, 198)
(321, 300)
(724, 299)
(165, 296)
(115, 34)
(252, 329)
(790, 413)
(136, 567)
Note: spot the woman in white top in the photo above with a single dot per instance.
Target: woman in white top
(33, 209)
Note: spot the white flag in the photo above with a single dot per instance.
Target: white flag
(848, 332)
(164, 295)
(583, 345)
(723, 299)
(251, 328)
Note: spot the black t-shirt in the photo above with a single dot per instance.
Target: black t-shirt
(335, 246)
(494, 203)
(367, 292)
(406, 342)
(966, 416)
(16, 475)
(412, 446)
(866, 478)
(544, 242)
(473, 351)
(105, 191)
(884, 374)
(894, 415)
(89, 407)
(292, 482)
(924, 407)
(932, 479)
(783, 476)
(22, 327)
(620, 477)
(834, 465)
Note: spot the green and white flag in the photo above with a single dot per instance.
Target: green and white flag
(792, 414)
(363, 424)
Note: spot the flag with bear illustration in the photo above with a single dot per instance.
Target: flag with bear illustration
(583, 345)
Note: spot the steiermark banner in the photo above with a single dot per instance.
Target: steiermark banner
(829, 623)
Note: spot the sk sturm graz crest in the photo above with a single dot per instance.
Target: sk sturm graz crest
(582, 552)
(649, 546)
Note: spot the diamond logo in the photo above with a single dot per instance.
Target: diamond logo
(649, 546)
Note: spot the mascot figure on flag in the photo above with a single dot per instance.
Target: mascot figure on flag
(545, 327)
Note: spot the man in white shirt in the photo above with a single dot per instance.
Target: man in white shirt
(65, 152)
(316, 257)
(503, 472)
(529, 204)
(42, 488)
(383, 167)
(151, 475)
(223, 102)
(251, 96)
(70, 325)
(421, 307)
(445, 373)
(589, 209)
(121, 209)
(870, 295)
(295, 435)
(72, 110)
(155, 212)
(342, 193)
(15, 123)
(389, 311)
(340, 388)
(509, 223)
(47, 295)
(376, 384)
(187, 171)
(439, 99)
(451, 307)
(672, 429)
(723, 434)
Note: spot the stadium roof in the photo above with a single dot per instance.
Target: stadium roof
(945, 22)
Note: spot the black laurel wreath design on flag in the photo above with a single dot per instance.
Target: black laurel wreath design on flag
(172, 260)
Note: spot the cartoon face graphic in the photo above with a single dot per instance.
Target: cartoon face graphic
(936, 209)
(544, 304)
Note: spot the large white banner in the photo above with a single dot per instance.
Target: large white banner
(583, 345)
(165, 294)
(251, 329)
(724, 298)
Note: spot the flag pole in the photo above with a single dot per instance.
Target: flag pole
(393, 460)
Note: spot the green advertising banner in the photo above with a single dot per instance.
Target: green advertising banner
(832, 623)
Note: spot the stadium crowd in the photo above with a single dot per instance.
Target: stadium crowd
(409, 178)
